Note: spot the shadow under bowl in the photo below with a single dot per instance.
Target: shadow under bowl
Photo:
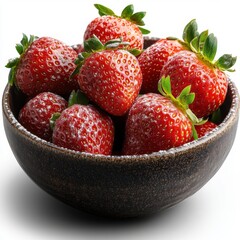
(120, 186)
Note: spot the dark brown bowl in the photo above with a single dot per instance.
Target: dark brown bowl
(120, 186)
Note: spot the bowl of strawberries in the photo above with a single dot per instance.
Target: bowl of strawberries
(121, 125)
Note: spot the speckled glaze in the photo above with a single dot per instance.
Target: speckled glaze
(120, 186)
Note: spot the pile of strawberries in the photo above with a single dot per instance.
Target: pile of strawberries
(109, 95)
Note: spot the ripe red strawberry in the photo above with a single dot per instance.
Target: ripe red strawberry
(205, 128)
(110, 77)
(208, 82)
(198, 69)
(45, 64)
(110, 26)
(157, 122)
(152, 61)
(85, 129)
(36, 113)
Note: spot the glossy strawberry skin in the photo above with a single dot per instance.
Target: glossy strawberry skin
(152, 61)
(46, 66)
(208, 83)
(154, 124)
(85, 129)
(112, 79)
(205, 128)
(110, 27)
(36, 113)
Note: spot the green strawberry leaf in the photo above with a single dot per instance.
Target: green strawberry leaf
(53, 119)
(194, 45)
(11, 76)
(79, 62)
(195, 121)
(137, 18)
(164, 86)
(115, 43)
(102, 10)
(136, 52)
(205, 45)
(181, 102)
(201, 39)
(216, 116)
(185, 97)
(190, 31)
(93, 44)
(189, 98)
(172, 38)
(127, 12)
(210, 47)
(185, 91)
(77, 97)
(12, 62)
(24, 40)
(21, 49)
(225, 62)
(76, 70)
(144, 31)
(194, 132)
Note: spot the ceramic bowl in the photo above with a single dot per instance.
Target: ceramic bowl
(120, 186)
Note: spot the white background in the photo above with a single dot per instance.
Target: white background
(28, 213)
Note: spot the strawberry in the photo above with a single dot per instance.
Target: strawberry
(109, 77)
(152, 61)
(198, 69)
(45, 64)
(110, 26)
(36, 113)
(205, 128)
(84, 128)
(160, 122)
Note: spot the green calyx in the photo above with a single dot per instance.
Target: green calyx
(21, 49)
(182, 102)
(127, 13)
(94, 44)
(205, 45)
(53, 119)
(77, 97)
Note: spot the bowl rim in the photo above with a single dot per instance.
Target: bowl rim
(155, 156)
